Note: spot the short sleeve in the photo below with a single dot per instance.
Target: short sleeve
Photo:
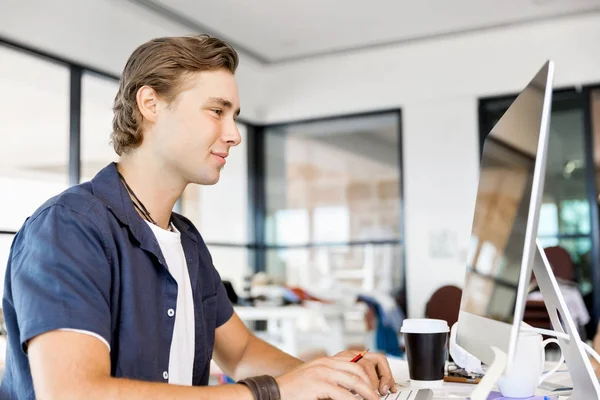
(224, 307)
(60, 276)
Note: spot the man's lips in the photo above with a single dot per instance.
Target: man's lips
(220, 157)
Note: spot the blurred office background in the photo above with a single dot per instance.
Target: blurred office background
(362, 125)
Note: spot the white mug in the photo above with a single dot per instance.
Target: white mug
(525, 374)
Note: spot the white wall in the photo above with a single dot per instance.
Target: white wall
(493, 62)
(103, 33)
(437, 84)
(439, 193)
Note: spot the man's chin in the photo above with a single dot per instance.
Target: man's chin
(208, 180)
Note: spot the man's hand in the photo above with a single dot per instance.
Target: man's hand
(337, 378)
(376, 367)
(326, 378)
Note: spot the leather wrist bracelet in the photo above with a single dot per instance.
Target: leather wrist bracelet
(263, 387)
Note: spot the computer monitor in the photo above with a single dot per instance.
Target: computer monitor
(505, 223)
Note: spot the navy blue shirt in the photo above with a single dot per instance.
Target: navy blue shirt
(87, 260)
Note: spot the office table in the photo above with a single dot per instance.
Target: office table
(282, 323)
(462, 391)
(456, 391)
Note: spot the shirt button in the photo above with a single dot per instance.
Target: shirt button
(165, 375)
(170, 312)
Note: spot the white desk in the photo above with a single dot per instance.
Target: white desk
(456, 391)
(278, 318)
(459, 391)
(282, 323)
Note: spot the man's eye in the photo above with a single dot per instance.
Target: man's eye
(217, 111)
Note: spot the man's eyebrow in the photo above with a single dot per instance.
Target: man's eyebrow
(225, 103)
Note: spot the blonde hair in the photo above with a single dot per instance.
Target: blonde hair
(162, 64)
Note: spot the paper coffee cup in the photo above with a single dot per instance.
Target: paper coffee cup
(426, 350)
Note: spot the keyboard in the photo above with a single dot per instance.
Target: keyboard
(409, 394)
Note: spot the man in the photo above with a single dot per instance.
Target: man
(110, 295)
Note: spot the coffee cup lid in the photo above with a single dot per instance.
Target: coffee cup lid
(424, 325)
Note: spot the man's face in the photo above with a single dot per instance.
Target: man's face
(193, 135)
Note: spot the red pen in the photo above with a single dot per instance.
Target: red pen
(359, 356)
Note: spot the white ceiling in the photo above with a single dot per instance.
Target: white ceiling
(282, 30)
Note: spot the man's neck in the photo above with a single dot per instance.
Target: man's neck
(154, 185)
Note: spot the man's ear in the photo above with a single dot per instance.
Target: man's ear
(147, 102)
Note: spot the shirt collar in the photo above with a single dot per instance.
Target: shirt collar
(107, 186)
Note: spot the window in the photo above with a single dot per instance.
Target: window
(97, 96)
(565, 185)
(323, 269)
(5, 243)
(595, 124)
(333, 201)
(34, 127)
(331, 223)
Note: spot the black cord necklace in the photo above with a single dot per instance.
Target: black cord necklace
(138, 204)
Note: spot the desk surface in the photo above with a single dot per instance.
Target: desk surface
(460, 390)
(254, 313)
(455, 391)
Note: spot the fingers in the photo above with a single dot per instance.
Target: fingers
(354, 383)
(377, 368)
(369, 367)
(327, 378)
(384, 372)
(337, 393)
(352, 368)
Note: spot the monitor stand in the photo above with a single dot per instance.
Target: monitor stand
(492, 375)
(585, 383)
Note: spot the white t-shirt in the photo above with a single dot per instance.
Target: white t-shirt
(181, 359)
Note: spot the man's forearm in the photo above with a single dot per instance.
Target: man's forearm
(261, 358)
(118, 388)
